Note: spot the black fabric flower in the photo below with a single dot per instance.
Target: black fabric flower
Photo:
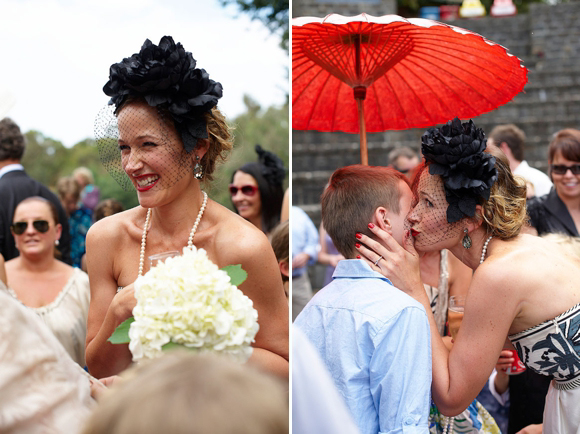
(456, 153)
(272, 166)
(166, 77)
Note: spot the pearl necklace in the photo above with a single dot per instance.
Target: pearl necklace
(484, 250)
(189, 241)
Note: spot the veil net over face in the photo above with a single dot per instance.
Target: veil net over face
(427, 219)
(140, 147)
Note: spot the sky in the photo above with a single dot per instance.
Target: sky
(56, 56)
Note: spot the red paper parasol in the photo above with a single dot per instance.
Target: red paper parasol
(365, 73)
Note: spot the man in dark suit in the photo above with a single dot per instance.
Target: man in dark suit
(16, 185)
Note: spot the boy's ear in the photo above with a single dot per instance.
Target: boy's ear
(284, 268)
(381, 217)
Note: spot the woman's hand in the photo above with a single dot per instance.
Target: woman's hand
(532, 429)
(506, 358)
(123, 303)
(400, 265)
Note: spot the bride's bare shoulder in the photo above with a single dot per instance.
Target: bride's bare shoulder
(116, 227)
(237, 237)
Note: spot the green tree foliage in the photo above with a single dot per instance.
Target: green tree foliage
(47, 160)
(273, 13)
(268, 128)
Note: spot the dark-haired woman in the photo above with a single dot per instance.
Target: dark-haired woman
(170, 136)
(524, 287)
(57, 292)
(559, 210)
(257, 192)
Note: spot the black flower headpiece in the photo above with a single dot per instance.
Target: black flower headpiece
(166, 77)
(272, 169)
(456, 152)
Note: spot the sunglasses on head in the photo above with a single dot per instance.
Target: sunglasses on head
(561, 169)
(247, 190)
(40, 225)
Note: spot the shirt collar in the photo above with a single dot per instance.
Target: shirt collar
(356, 268)
(10, 168)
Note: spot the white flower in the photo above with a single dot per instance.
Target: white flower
(187, 300)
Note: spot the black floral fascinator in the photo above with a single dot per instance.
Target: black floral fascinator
(165, 76)
(456, 153)
(272, 168)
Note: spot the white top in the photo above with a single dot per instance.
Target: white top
(67, 315)
(41, 389)
(541, 181)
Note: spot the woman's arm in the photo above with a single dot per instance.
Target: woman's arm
(3, 271)
(264, 287)
(459, 276)
(323, 256)
(459, 374)
(107, 308)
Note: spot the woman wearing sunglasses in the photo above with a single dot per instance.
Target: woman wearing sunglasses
(257, 191)
(559, 210)
(57, 292)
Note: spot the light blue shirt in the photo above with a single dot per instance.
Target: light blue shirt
(375, 341)
(304, 237)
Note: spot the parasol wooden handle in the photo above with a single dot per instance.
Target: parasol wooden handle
(364, 157)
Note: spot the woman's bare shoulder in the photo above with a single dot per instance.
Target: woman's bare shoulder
(115, 227)
(237, 239)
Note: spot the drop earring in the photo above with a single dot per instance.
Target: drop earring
(56, 242)
(197, 169)
(466, 241)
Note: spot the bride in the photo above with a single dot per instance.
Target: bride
(170, 135)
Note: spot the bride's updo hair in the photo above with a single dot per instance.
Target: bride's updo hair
(220, 141)
(504, 213)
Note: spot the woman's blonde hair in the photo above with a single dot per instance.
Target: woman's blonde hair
(566, 241)
(504, 214)
(220, 141)
(184, 392)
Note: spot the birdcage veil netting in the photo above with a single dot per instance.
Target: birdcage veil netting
(457, 176)
(139, 147)
(156, 115)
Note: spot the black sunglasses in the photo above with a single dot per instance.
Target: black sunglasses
(561, 169)
(248, 190)
(40, 225)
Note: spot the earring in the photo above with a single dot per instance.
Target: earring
(56, 242)
(197, 169)
(466, 241)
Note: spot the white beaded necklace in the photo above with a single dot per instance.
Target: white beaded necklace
(189, 241)
(484, 250)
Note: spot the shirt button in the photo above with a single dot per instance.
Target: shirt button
(409, 421)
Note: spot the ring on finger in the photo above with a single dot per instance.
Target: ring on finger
(377, 261)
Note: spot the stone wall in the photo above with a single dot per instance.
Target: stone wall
(547, 39)
(321, 8)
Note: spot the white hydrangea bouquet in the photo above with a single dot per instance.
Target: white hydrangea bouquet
(188, 302)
